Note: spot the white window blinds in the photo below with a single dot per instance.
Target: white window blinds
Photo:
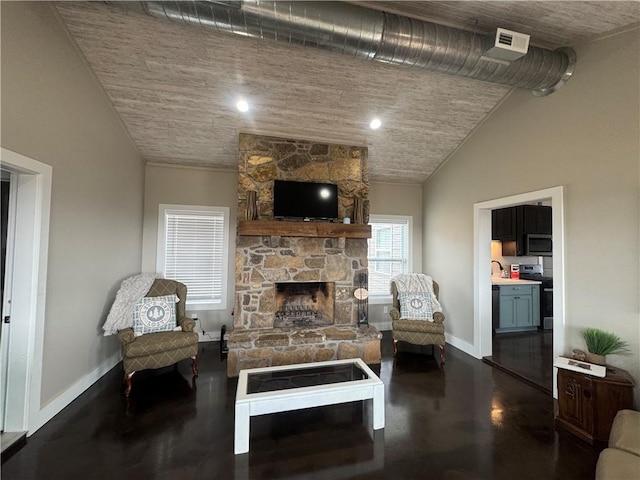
(388, 252)
(195, 253)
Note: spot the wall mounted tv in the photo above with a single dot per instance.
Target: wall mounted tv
(305, 200)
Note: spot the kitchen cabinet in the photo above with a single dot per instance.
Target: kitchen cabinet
(503, 224)
(533, 219)
(512, 225)
(519, 307)
(588, 404)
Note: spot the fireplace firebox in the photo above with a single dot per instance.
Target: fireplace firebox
(304, 304)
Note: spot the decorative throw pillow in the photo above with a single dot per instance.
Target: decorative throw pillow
(415, 306)
(155, 314)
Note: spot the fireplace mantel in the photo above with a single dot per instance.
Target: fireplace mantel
(270, 252)
(303, 229)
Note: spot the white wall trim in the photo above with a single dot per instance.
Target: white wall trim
(213, 336)
(161, 244)
(382, 326)
(387, 299)
(29, 287)
(55, 406)
(466, 347)
(482, 325)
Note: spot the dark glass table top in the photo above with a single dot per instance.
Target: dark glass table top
(304, 377)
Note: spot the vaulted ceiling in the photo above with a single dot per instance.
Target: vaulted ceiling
(175, 86)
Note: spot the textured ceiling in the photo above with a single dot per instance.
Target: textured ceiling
(175, 86)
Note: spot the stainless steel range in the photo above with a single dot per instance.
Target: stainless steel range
(535, 272)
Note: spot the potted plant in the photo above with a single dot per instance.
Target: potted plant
(601, 343)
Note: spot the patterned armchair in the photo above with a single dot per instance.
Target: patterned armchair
(417, 332)
(160, 349)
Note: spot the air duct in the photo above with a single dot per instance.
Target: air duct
(508, 46)
(373, 35)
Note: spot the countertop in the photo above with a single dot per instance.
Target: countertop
(513, 281)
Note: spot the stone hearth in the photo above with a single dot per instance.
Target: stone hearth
(286, 346)
(267, 263)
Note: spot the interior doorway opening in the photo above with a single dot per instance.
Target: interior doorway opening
(24, 292)
(483, 318)
(522, 307)
(7, 217)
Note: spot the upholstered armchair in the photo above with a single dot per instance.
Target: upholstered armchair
(417, 332)
(160, 349)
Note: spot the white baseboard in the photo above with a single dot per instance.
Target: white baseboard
(466, 347)
(56, 405)
(210, 336)
(382, 326)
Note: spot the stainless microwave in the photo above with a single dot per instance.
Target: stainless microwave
(538, 245)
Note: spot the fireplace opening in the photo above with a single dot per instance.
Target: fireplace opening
(302, 304)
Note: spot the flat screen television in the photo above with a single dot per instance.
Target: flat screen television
(305, 200)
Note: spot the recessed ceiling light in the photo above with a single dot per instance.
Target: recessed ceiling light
(242, 105)
(375, 123)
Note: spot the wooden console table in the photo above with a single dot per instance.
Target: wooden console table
(588, 404)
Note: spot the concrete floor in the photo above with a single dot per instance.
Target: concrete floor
(466, 421)
(528, 355)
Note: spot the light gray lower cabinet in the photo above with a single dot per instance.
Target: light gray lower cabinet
(519, 308)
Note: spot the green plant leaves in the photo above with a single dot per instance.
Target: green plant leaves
(604, 343)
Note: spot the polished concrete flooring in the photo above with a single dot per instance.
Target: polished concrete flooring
(528, 355)
(466, 421)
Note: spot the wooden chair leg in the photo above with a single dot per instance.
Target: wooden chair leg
(127, 383)
(395, 347)
(441, 354)
(194, 365)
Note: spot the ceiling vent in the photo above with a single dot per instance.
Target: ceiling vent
(507, 47)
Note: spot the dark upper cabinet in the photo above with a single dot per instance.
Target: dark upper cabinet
(533, 219)
(511, 225)
(503, 224)
(544, 221)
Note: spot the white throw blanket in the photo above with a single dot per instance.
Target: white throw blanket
(417, 283)
(131, 290)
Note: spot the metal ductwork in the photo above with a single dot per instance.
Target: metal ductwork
(373, 35)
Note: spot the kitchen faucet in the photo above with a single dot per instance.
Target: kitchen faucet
(499, 264)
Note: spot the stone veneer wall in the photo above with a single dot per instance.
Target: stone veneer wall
(265, 159)
(262, 261)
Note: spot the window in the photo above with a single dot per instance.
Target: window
(193, 249)
(388, 252)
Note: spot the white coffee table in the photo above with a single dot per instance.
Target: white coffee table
(293, 387)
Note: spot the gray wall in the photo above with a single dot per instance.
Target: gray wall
(191, 186)
(397, 199)
(585, 137)
(54, 111)
(198, 186)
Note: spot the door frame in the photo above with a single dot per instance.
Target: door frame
(28, 296)
(482, 328)
(6, 301)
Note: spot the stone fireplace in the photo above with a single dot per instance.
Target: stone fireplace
(304, 304)
(294, 287)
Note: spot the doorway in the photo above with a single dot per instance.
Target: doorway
(24, 291)
(483, 321)
(522, 309)
(7, 209)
